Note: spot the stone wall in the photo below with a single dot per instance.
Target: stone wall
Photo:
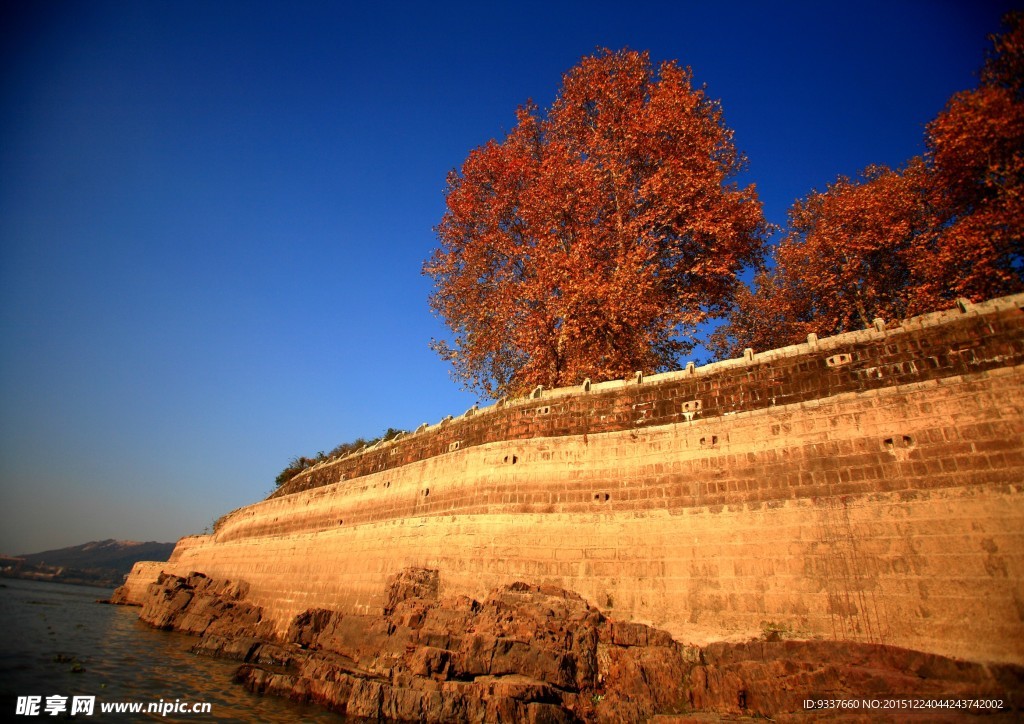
(966, 340)
(866, 487)
(133, 591)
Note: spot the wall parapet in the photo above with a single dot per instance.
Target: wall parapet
(916, 349)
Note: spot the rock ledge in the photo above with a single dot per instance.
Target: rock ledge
(542, 654)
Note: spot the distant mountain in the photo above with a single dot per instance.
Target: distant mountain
(100, 563)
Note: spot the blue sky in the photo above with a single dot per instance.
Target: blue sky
(213, 215)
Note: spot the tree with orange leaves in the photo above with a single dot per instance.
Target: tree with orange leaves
(976, 148)
(593, 240)
(846, 258)
(898, 243)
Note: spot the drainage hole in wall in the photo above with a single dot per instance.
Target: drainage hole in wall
(426, 492)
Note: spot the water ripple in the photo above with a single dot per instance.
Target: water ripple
(57, 640)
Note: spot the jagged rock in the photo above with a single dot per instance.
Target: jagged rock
(412, 583)
(198, 605)
(762, 677)
(120, 597)
(306, 627)
(539, 654)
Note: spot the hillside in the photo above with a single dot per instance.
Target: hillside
(100, 563)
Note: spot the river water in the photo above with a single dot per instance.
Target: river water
(55, 640)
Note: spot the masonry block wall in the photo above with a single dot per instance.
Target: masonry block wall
(863, 487)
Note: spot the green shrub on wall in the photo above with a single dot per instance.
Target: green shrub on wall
(299, 464)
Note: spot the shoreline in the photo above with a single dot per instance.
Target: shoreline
(538, 653)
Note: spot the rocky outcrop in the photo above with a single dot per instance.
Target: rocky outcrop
(540, 654)
(774, 678)
(120, 597)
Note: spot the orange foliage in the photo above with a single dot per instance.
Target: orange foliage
(592, 241)
(900, 243)
(977, 150)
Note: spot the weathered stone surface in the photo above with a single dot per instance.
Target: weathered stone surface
(878, 501)
(843, 514)
(198, 605)
(541, 654)
(762, 678)
(411, 583)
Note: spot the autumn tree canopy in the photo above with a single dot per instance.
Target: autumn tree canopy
(895, 243)
(976, 150)
(594, 239)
